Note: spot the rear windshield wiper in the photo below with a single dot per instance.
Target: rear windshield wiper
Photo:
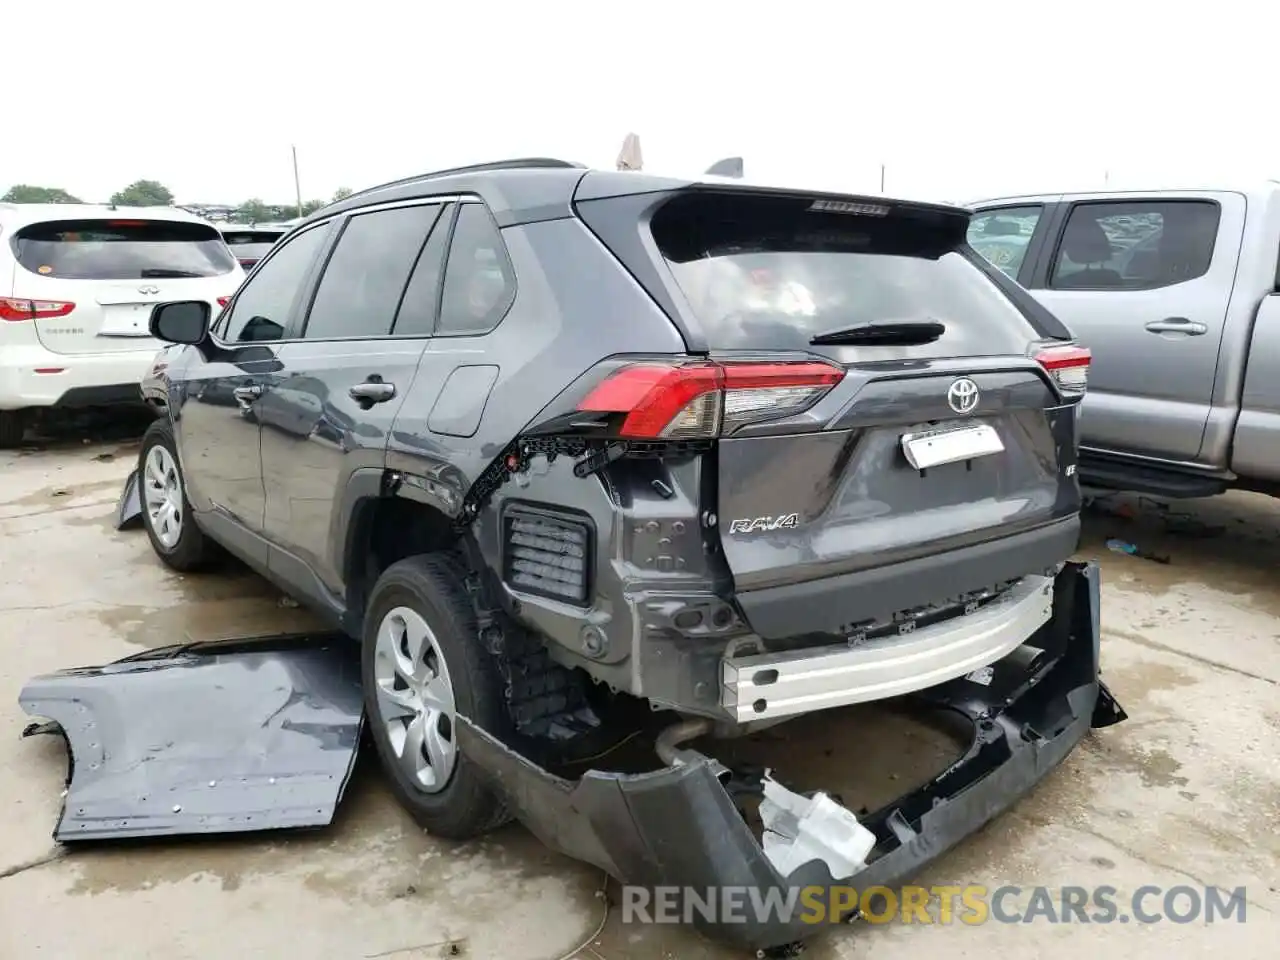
(158, 272)
(901, 333)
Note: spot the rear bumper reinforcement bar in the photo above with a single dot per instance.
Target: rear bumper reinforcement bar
(764, 686)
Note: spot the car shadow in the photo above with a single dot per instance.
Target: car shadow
(57, 430)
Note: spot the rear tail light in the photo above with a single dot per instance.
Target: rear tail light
(223, 301)
(1069, 367)
(12, 308)
(702, 399)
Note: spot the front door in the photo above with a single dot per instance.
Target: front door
(1145, 284)
(221, 389)
(343, 377)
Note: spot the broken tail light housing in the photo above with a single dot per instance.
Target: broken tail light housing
(702, 399)
(13, 308)
(1068, 364)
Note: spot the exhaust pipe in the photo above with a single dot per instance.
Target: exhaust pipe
(676, 734)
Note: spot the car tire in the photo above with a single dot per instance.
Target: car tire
(158, 465)
(13, 425)
(403, 680)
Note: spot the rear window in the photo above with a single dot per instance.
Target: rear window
(250, 244)
(122, 249)
(771, 273)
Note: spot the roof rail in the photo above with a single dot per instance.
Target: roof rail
(524, 163)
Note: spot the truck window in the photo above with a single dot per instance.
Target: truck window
(1002, 236)
(1135, 245)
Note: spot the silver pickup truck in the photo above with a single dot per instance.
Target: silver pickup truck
(1177, 293)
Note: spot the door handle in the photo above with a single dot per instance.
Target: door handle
(246, 395)
(372, 391)
(1178, 325)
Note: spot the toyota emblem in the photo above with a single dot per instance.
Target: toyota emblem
(962, 395)
(150, 291)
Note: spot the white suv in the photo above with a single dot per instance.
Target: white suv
(77, 284)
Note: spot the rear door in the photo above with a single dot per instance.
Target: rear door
(344, 374)
(1145, 282)
(112, 272)
(891, 296)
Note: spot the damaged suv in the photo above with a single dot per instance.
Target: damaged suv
(567, 450)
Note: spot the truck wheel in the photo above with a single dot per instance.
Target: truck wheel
(12, 426)
(166, 512)
(422, 666)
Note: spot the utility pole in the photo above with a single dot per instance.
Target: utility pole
(882, 178)
(297, 185)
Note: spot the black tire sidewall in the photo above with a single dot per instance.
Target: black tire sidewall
(431, 586)
(190, 551)
(13, 425)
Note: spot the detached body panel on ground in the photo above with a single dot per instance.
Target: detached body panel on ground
(218, 737)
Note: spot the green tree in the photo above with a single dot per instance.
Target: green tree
(311, 206)
(254, 211)
(26, 193)
(341, 194)
(143, 193)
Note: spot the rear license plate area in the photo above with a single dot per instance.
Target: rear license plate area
(126, 320)
(934, 448)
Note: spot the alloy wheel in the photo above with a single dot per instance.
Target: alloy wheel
(162, 491)
(415, 699)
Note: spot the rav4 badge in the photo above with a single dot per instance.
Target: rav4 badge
(764, 524)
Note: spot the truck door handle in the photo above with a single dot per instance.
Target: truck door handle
(1178, 325)
(372, 391)
(246, 395)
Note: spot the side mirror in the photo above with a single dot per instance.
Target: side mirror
(183, 321)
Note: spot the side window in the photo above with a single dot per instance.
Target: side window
(1002, 236)
(417, 316)
(1135, 244)
(262, 306)
(362, 283)
(479, 281)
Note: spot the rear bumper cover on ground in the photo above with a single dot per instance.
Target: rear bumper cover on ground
(262, 734)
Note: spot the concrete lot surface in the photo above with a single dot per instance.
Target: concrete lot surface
(1185, 793)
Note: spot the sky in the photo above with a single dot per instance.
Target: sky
(958, 101)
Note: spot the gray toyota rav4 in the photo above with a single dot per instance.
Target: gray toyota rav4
(568, 451)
